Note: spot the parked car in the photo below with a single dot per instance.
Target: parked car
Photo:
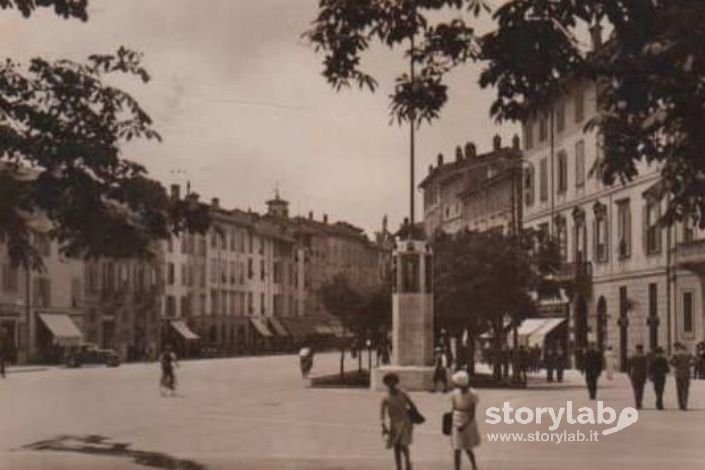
(91, 354)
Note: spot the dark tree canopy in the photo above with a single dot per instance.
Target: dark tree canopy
(62, 169)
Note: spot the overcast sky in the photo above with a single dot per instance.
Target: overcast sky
(238, 97)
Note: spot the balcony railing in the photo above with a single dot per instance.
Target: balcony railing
(691, 253)
(576, 271)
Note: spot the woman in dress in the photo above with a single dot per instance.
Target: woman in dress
(395, 405)
(464, 435)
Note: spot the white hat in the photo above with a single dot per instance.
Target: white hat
(461, 378)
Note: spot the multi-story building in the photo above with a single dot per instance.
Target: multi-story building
(475, 192)
(41, 311)
(635, 281)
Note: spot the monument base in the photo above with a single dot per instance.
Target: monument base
(411, 378)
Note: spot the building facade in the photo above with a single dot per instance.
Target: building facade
(635, 280)
(475, 192)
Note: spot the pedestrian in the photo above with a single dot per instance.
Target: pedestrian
(440, 369)
(592, 368)
(549, 360)
(464, 435)
(658, 369)
(560, 363)
(682, 362)
(395, 405)
(523, 364)
(505, 358)
(306, 361)
(610, 363)
(638, 371)
(168, 379)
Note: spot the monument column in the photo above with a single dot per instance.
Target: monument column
(412, 318)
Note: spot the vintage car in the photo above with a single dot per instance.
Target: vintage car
(91, 354)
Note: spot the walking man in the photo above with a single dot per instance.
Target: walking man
(658, 370)
(168, 380)
(559, 363)
(440, 370)
(638, 370)
(592, 367)
(550, 360)
(682, 362)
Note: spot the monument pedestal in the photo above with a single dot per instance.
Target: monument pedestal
(412, 318)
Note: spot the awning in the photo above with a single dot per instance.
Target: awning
(537, 337)
(184, 330)
(530, 325)
(278, 327)
(298, 327)
(323, 329)
(64, 330)
(261, 327)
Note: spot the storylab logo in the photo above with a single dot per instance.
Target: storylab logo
(557, 418)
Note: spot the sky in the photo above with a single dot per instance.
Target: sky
(238, 97)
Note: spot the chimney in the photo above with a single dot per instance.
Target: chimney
(175, 192)
(440, 160)
(325, 218)
(596, 36)
(430, 169)
(458, 153)
(215, 203)
(310, 215)
(516, 143)
(497, 142)
(470, 150)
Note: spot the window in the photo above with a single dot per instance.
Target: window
(688, 312)
(580, 241)
(10, 280)
(233, 240)
(652, 227)
(250, 269)
(600, 238)
(543, 180)
(688, 232)
(223, 302)
(262, 274)
(43, 244)
(214, 238)
(184, 274)
(579, 103)
(528, 134)
(543, 128)
(42, 292)
(580, 164)
(624, 229)
(170, 306)
(562, 171)
(233, 272)
(170, 274)
(250, 303)
(185, 305)
(562, 238)
(560, 117)
(262, 307)
(76, 292)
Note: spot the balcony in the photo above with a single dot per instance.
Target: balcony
(575, 272)
(691, 255)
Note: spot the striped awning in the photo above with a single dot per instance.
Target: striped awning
(278, 327)
(63, 329)
(261, 327)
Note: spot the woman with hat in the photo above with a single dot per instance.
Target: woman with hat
(464, 435)
(396, 405)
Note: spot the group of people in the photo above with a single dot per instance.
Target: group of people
(523, 360)
(642, 367)
(398, 413)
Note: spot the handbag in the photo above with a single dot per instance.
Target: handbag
(447, 423)
(415, 415)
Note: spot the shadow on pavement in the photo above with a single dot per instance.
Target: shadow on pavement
(103, 446)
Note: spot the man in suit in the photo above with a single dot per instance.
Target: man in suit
(658, 369)
(682, 361)
(638, 371)
(592, 368)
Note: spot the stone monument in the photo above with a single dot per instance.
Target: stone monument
(412, 320)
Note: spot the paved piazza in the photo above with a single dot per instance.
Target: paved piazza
(255, 413)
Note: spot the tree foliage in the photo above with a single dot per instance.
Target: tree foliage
(345, 29)
(651, 91)
(62, 128)
(483, 278)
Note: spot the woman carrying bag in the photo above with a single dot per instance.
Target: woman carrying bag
(464, 435)
(403, 414)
